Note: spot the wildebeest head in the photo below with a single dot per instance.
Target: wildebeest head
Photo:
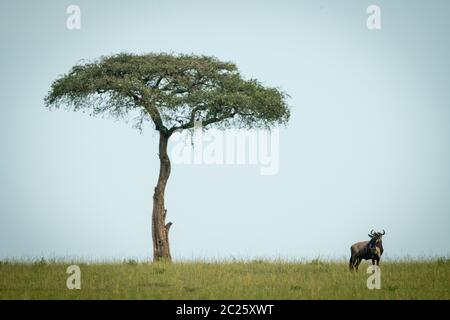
(376, 243)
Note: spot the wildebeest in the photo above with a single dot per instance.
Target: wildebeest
(372, 249)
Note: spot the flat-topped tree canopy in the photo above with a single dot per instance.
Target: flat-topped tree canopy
(172, 91)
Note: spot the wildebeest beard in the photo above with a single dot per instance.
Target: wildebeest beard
(372, 246)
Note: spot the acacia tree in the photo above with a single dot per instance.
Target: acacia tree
(172, 92)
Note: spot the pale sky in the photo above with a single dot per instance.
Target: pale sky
(367, 146)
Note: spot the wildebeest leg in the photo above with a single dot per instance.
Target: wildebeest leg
(350, 263)
(358, 261)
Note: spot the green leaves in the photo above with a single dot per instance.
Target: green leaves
(171, 90)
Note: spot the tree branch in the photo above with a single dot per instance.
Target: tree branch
(152, 111)
(156, 117)
(156, 85)
(189, 124)
(218, 119)
(205, 123)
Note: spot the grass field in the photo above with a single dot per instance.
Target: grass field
(225, 280)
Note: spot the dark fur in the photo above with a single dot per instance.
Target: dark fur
(367, 250)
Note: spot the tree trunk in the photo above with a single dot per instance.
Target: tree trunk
(160, 230)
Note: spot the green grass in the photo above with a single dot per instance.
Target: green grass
(256, 279)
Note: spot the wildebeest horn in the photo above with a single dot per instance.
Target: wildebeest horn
(384, 232)
(371, 232)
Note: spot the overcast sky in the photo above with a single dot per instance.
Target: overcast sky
(367, 146)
